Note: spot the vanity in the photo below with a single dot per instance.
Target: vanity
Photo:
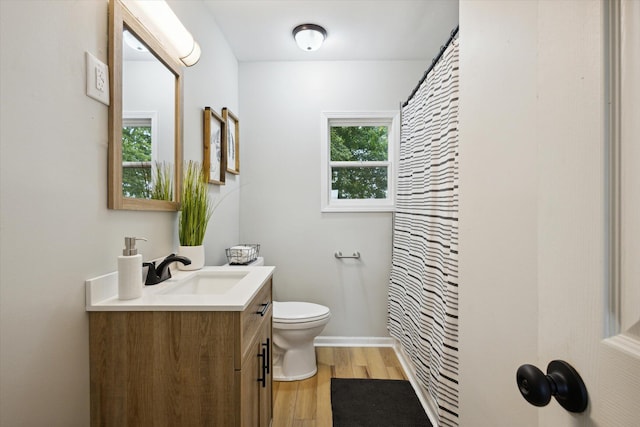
(194, 350)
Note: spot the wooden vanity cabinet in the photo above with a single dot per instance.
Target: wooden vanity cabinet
(182, 368)
(256, 402)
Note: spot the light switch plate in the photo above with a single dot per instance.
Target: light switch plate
(97, 79)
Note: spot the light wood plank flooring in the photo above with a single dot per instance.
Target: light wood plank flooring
(307, 403)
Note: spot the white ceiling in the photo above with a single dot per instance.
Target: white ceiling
(260, 30)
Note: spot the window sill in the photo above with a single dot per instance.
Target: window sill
(358, 209)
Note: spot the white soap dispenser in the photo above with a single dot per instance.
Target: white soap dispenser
(130, 270)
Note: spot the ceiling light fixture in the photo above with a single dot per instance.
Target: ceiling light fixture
(309, 37)
(133, 42)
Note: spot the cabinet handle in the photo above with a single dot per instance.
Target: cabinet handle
(265, 308)
(263, 380)
(268, 358)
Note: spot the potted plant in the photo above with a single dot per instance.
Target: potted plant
(195, 211)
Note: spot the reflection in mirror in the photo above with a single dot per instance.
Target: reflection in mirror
(145, 141)
(148, 97)
(139, 146)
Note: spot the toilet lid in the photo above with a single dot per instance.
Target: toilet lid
(296, 312)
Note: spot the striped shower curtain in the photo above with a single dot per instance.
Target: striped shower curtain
(423, 289)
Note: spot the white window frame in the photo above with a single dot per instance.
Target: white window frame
(390, 119)
(144, 118)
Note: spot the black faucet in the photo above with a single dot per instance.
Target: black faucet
(161, 273)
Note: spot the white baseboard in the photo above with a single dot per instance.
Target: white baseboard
(325, 341)
(427, 402)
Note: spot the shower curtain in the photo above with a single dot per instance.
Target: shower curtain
(423, 289)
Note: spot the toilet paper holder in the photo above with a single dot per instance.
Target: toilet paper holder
(339, 255)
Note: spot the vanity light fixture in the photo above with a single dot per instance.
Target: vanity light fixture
(163, 23)
(309, 37)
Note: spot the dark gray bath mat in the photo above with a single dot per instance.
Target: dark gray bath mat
(377, 403)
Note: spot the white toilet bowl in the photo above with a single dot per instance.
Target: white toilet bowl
(295, 325)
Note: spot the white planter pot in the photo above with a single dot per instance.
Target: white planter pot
(195, 254)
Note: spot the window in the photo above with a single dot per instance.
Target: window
(357, 161)
(139, 150)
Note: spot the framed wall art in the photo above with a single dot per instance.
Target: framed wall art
(214, 147)
(232, 140)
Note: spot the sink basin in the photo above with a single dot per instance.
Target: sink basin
(213, 288)
(208, 283)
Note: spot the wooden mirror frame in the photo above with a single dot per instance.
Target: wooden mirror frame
(119, 18)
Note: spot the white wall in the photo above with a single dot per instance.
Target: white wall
(498, 208)
(148, 86)
(212, 82)
(280, 201)
(56, 230)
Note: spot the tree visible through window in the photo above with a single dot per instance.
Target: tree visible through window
(136, 161)
(359, 144)
(357, 157)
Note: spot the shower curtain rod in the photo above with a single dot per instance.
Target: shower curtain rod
(435, 60)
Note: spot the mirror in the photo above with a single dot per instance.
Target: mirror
(145, 118)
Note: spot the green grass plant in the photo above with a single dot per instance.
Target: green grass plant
(163, 182)
(196, 206)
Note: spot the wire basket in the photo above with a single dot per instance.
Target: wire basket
(243, 253)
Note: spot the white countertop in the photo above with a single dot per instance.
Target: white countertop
(102, 292)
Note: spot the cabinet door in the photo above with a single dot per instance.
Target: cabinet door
(256, 405)
(266, 396)
(250, 387)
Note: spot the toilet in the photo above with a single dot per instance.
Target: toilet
(295, 326)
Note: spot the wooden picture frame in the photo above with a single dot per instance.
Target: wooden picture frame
(214, 153)
(232, 141)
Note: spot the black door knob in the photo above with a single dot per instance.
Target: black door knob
(562, 381)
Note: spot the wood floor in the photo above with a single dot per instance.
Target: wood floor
(307, 403)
